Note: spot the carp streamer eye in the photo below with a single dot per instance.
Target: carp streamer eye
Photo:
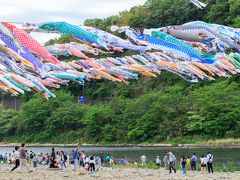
(47, 27)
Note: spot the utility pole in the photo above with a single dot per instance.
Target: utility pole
(15, 103)
(2, 101)
(2, 98)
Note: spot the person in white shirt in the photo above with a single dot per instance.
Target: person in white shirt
(203, 160)
(12, 159)
(16, 156)
(210, 162)
(143, 160)
(58, 160)
(87, 159)
(68, 159)
(171, 162)
(158, 161)
(92, 162)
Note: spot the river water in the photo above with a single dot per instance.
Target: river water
(221, 155)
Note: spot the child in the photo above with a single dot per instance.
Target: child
(158, 161)
(188, 165)
(203, 164)
(99, 162)
(86, 167)
(34, 161)
(183, 164)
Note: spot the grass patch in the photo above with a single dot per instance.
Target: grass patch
(149, 165)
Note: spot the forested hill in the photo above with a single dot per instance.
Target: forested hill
(149, 110)
(159, 13)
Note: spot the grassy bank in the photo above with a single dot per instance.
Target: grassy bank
(151, 165)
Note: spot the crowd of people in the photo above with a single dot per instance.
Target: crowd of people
(21, 158)
(186, 163)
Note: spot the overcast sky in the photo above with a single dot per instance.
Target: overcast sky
(73, 11)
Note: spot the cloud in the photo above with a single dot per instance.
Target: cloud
(72, 11)
(75, 11)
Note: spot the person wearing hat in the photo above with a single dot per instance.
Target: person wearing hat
(158, 161)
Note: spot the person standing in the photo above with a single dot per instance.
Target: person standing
(92, 162)
(53, 155)
(165, 160)
(158, 161)
(81, 159)
(188, 164)
(63, 159)
(210, 162)
(75, 159)
(40, 159)
(16, 156)
(35, 160)
(183, 165)
(12, 159)
(84, 158)
(87, 159)
(23, 158)
(102, 158)
(31, 158)
(171, 162)
(194, 162)
(180, 162)
(68, 159)
(58, 160)
(53, 159)
(47, 159)
(9, 158)
(203, 160)
(5, 158)
(144, 160)
(1, 159)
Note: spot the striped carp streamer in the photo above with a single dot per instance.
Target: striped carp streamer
(194, 51)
